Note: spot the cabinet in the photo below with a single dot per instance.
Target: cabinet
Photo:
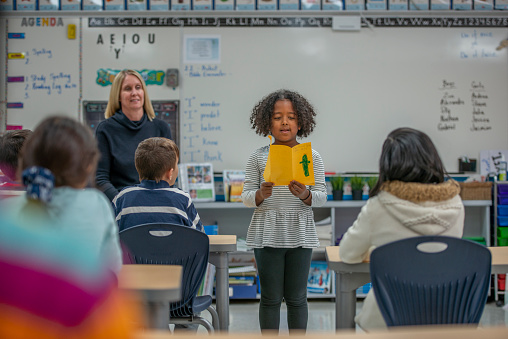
(234, 218)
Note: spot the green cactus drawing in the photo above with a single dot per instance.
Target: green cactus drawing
(305, 163)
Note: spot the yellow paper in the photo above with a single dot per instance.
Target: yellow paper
(289, 163)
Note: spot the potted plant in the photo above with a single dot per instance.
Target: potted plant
(371, 182)
(357, 187)
(337, 187)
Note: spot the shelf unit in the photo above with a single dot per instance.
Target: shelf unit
(495, 200)
(234, 218)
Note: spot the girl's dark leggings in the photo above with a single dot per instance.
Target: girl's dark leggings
(283, 273)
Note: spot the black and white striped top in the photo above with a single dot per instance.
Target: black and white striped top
(282, 220)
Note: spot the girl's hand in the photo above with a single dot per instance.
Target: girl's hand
(299, 190)
(265, 191)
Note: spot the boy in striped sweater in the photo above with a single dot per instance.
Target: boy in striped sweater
(154, 199)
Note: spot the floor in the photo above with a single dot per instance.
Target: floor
(244, 316)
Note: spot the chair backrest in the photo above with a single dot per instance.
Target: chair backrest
(168, 244)
(448, 285)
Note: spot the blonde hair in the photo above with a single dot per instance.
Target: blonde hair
(114, 95)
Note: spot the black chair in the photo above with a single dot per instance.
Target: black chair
(168, 244)
(431, 280)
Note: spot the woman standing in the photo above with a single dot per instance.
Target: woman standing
(130, 119)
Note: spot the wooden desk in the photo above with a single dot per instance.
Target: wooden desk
(499, 259)
(159, 285)
(220, 246)
(424, 332)
(351, 276)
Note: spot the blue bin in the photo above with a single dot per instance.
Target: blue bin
(502, 210)
(502, 221)
(502, 189)
(502, 199)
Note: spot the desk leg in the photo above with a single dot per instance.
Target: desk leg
(345, 297)
(158, 315)
(345, 305)
(220, 260)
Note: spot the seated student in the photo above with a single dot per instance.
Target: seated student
(53, 287)
(153, 199)
(410, 199)
(57, 163)
(10, 147)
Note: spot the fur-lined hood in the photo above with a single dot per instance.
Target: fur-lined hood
(417, 192)
(428, 209)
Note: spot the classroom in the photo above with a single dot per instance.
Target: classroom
(206, 64)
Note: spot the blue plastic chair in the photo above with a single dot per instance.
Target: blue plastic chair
(168, 244)
(415, 287)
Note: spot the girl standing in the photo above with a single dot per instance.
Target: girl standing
(410, 199)
(282, 231)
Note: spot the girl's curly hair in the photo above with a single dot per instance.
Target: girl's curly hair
(261, 116)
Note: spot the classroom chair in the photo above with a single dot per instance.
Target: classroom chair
(431, 280)
(168, 244)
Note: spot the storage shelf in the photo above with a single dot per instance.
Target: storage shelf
(328, 204)
(234, 218)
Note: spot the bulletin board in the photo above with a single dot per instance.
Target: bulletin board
(167, 111)
(446, 79)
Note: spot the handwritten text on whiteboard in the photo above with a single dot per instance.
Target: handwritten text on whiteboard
(202, 123)
(53, 83)
(478, 45)
(454, 108)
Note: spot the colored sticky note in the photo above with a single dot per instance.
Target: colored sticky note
(13, 127)
(16, 55)
(289, 163)
(71, 31)
(14, 105)
(15, 35)
(16, 79)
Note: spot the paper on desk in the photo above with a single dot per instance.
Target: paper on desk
(289, 163)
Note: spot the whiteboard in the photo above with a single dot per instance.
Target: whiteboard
(449, 82)
(139, 48)
(362, 84)
(49, 69)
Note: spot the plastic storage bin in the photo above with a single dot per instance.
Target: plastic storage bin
(502, 232)
(502, 241)
(502, 210)
(502, 221)
(501, 282)
(502, 189)
(480, 240)
(242, 291)
(502, 199)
